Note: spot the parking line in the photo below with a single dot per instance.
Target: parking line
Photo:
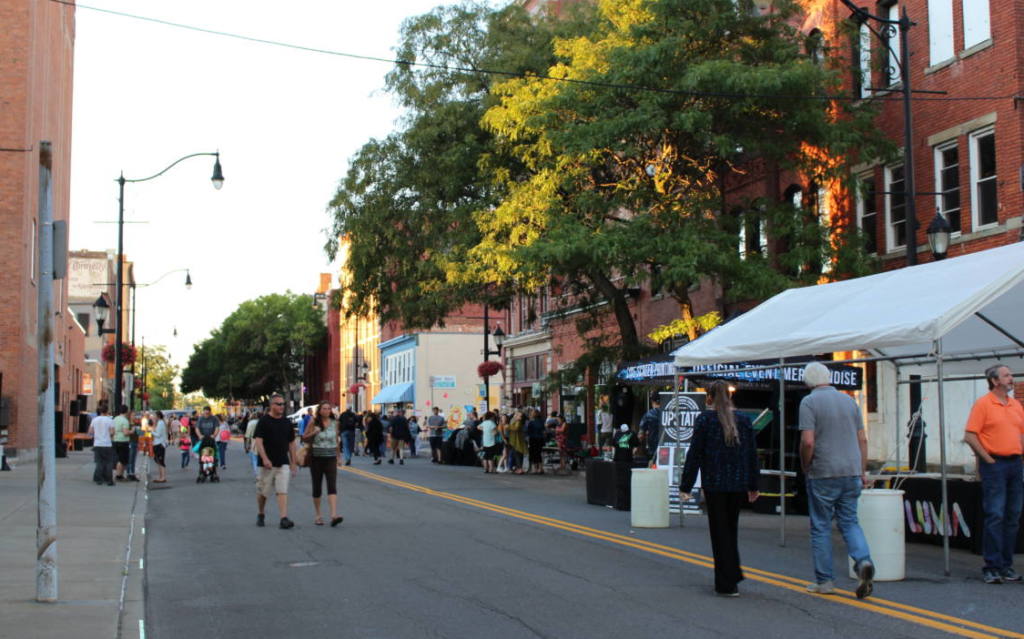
(912, 614)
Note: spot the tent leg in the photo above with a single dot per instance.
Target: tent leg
(899, 432)
(675, 401)
(942, 461)
(782, 454)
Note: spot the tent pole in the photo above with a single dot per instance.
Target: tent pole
(782, 453)
(675, 403)
(899, 432)
(942, 461)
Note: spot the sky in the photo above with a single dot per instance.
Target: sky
(285, 122)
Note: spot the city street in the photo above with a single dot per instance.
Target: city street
(444, 551)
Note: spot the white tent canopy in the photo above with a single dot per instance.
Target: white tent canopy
(974, 304)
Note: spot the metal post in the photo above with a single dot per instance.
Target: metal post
(135, 384)
(899, 433)
(908, 140)
(487, 356)
(782, 452)
(46, 524)
(944, 518)
(119, 300)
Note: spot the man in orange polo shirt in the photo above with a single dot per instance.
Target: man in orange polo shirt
(995, 431)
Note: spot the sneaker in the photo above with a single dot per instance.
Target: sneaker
(348, 463)
(734, 593)
(865, 576)
(260, 520)
(824, 588)
(391, 461)
(286, 523)
(1009, 574)
(401, 462)
(991, 576)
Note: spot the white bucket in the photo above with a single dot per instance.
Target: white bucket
(649, 498)
(880, 512)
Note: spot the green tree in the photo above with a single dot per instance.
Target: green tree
(665, 105)
(407, 203)
(257, 350)
(160, 376)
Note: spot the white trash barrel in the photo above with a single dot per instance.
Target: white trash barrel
(880, 512)
(649, 498)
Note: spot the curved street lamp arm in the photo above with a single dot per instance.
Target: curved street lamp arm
(215, 154)
(863, 13)
(157, 280)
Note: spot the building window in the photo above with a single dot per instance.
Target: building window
(977, 23)
(895, 207)
(947, 183)
(862, 52)
(984, 199)
(892, 69)
(940, 31)
(867, 212)
(83, 319)
(753, 239)
(815, 46)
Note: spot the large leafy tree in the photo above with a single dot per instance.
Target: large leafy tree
(160, 375)
(257, 350)
(662, 109)
(407, 203)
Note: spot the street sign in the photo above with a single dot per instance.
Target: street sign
(442, 381)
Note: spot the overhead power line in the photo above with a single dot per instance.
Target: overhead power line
(513, 74)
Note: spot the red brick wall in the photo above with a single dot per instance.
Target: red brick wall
(36, 49)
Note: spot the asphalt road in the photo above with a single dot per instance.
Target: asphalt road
(435, 559)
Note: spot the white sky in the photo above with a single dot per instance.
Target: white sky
(285, 122)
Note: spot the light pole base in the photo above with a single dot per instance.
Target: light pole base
(3, 459)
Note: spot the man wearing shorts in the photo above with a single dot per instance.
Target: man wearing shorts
(274, 441)
(436, 424)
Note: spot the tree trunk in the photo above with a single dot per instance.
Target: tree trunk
(620, 307)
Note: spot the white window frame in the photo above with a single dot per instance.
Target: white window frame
(890, 234)
(939, 166)
(973, 138)
(940, 31)
(864, 53)
(977, 22)
(860, 204)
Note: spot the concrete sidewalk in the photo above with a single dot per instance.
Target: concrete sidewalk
(100, 540)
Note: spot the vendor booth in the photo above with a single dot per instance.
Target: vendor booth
(943, 321)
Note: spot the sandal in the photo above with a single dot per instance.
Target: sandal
(336, 520)
(318, 521)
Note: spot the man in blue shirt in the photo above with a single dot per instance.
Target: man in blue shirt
(650, 427)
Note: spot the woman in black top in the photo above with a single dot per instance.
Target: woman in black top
(724, 451)
(374, 435)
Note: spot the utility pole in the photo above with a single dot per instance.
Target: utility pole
(46, 488)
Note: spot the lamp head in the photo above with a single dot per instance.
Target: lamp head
(499, 336)
(218, 174)
(102, 310)
(188, 280)
(938, 235)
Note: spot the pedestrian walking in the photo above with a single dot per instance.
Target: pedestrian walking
(414, 433)
(274, 439)
(122, 439)
(535, 435)
(207, 425)
(650, 428)
(347, 423)
(436, 423)
(398, 435)
(160, 448)
(995, 432)
(323, 436)
(374, 435)
(723, 450)
(603, 421)
(625, 445)
(304, 421)
(833, 453)
(489, 430)
(223, 438)
(102, 430)
(250, 447)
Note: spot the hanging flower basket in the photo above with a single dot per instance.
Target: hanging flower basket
(488, 368)
(127, 354)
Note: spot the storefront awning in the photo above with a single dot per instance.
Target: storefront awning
(661, 371)
(395, 394)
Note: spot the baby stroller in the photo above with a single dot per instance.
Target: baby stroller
(207, 460)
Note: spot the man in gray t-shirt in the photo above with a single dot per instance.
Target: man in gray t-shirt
(436, 423)
(833, 454)
(208, 425)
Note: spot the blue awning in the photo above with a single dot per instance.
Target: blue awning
(395, 394)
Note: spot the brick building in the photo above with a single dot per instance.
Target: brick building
(36, 50)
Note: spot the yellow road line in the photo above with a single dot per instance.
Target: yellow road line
(912, 614)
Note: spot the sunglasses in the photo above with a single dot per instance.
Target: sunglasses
(278, 403)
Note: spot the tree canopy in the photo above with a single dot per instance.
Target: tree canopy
(160, 375)
(257, 350)
(609, 160)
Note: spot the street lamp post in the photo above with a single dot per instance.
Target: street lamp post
(884, 34)
(499, 338)
(218, 181)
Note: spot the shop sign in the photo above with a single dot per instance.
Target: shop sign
(678, 415)
(442, 381)
(86, 384)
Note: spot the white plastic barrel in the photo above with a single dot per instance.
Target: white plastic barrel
(881, 517)
(649, 498)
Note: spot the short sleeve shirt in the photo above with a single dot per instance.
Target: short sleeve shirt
(436, 424)
(835, 419)
(999, 426)
(122, 427)
(277, 434)
(102, 426)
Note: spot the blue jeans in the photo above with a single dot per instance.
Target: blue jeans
(222, 453)
(255, 459)
(1001, 496)
(831, 498)
(348, 444)
(133, 452)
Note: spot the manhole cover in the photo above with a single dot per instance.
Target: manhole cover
(303, 564)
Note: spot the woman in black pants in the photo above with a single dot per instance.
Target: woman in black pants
(323, 436)
(724, 451)
(374, 435)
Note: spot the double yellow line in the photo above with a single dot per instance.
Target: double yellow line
(935, 620)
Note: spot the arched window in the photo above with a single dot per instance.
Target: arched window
(815, 46)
